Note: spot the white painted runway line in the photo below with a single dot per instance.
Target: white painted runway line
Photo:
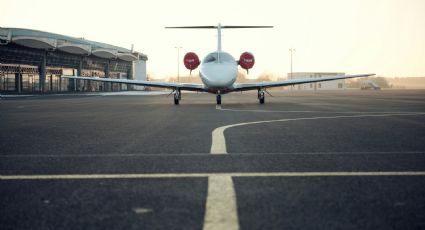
(217, 176)
(218, 144)
(218, 107)
(147, 155)
(221, 209)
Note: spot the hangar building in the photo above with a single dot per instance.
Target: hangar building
(33, 61)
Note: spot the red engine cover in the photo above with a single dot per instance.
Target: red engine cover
(246, 60)
(191, 61)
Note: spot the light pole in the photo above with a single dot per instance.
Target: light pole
(291, 50)
(178, 62)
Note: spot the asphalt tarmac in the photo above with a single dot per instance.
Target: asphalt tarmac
(304, 160)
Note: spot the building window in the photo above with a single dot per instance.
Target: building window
(320, 85)
(339, 85)
(311, 85)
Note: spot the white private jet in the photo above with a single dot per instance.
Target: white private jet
(218, 72)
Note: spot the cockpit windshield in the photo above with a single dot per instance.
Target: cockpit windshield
(213, 57)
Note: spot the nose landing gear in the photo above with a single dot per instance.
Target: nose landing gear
(218, 98)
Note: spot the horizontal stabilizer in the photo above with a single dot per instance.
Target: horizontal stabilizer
(218, 27)
(215, 27)
(191, 27)
(245, 27)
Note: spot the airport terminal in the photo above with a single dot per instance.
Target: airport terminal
(32, 61)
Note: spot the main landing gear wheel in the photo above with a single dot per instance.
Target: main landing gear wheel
(261, 96)
(177, 97)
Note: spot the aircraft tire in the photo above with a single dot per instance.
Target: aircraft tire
(262, 100)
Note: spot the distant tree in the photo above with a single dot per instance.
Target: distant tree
(264, 77)
(241, 77)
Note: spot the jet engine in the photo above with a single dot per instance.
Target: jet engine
(191, 61)
(246, 61)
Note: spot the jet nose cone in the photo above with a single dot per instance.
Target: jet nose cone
(219, 74)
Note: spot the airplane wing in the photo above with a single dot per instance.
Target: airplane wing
(169, 85)
(269, 84)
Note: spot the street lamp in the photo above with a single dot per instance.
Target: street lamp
(291, 50)
(178, 62)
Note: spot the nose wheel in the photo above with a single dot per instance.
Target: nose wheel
(218, 99)
(261, 96)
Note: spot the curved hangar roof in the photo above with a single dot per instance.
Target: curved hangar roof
(50, 41)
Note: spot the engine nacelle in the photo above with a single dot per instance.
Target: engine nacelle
(246, 60)
(191, 61)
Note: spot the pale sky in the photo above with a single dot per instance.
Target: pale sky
(386, 37)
